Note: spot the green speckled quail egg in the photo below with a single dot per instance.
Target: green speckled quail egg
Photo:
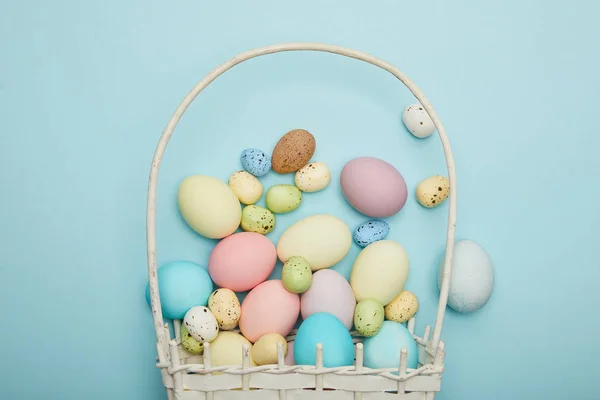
(190, 344)
(432, 191)
(257, 219)
(417, 121)
(296, 275)
(368, 317)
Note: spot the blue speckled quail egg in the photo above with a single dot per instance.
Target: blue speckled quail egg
(255, 161)
(370, 231)
(201, 324)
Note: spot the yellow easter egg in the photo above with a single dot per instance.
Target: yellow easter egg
(322, 240)
(264, 351)
(226, 349)
(209, 206)
(380, 271)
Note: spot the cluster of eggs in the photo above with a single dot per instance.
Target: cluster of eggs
(373, 301)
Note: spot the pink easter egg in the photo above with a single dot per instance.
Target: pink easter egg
(329, 292)
(373, 187)
(269, 308)
(289, 357)
(241, 261)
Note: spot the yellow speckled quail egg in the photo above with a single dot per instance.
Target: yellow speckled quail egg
(417, 121)
(264, 351)
(403, 307)
(432, 192)
(257, 219)
(312, 177)
(246, 187)
(225, 306)
(368, 317)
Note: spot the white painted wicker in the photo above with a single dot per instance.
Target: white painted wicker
(191, 377)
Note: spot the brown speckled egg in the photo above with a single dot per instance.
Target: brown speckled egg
(293, 151)
(432, 191)
(225, 306)
(402, 308)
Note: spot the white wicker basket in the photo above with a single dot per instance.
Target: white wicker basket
(191, 377)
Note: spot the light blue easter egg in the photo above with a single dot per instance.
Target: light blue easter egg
(182, 285)
(471, 278)
(324, 328)
(255, 161)
(383, 350)
(370, 231)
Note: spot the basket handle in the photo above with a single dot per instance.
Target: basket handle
(261, 51)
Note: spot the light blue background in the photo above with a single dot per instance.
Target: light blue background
(86, 88)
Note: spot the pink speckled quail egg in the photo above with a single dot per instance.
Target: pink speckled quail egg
(417, 121)
(201, 324)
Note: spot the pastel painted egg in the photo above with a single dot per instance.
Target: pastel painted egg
(403, 307)
(324, 328)
(432, 191)
(312, 177)
(264, 351)
(322, 240)
(246, 187)
(209, 206)
(283, 198)
(201, 324)
(257, 219)
(225, 306)
(255, 161)
(329, 292)
(368, 317)
(296, 275)
(471, 278)
(417, 121)
(241, 261)
(383, 350)
(380, 271)
(289, 357)
(226, 350)
(373, 187)
(188, 342)
(182, 285)
(269, 308)
(371, 231)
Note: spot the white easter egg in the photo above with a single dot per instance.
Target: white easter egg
(201, 324)
(322, 240)
(417, 121)
(471, 278)
(312, 177)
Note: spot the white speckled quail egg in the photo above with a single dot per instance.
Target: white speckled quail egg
(402, 308)
(246, 187)
(225, 306)
(432, 191)
(201, 324)
(417, 121)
